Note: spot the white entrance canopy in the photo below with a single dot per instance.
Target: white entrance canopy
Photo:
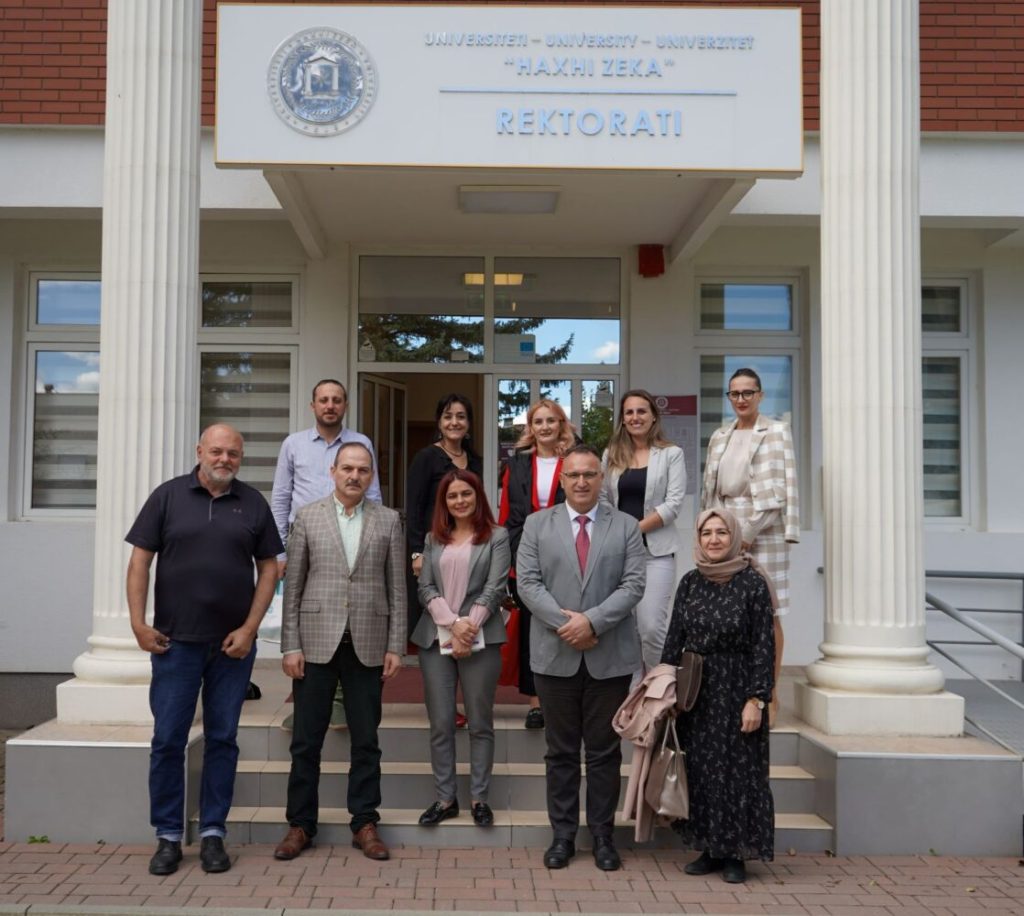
(583, 124)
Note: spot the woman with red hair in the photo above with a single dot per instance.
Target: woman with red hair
(466, 561)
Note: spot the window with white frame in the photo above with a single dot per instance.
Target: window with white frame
(63, 360)
(247, 364)
(751, 323)
(945, 367)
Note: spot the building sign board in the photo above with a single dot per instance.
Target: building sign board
(680, 424)
(681, 88)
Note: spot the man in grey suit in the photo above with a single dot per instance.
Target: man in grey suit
(580, 568)
(344, 619)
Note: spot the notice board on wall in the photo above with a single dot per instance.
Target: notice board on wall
(679, 422)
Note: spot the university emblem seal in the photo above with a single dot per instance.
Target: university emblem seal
(321, 82)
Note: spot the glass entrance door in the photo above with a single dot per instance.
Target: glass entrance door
(588, 402)
(382, 414)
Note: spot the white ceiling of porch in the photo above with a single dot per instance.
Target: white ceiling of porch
(421, 206)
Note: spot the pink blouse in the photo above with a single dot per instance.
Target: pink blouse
(454, 564)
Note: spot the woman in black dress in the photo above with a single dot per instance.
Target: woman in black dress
(451, 448)
(724, 611)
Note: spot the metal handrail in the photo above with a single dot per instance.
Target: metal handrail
(985, 576)
(971, 574)
(991, 637)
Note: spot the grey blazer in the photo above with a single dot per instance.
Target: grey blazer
(488, 572)
(664, 494)
(323, 596)
(548, 578)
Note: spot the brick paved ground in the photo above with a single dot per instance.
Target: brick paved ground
(504, 880)
(510, 880)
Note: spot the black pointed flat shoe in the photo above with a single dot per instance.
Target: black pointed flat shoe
(483, 816)
(438, 812)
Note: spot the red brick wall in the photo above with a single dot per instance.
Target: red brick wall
(52, 63)
(972, 65)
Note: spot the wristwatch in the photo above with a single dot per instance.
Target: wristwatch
(416, 556)
(758, 702)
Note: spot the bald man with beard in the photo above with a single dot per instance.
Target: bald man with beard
(217, 546)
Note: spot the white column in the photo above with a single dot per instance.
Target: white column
(147, 346)
(874, 677)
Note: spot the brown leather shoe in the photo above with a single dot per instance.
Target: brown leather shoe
(295, 840)
(368, 840)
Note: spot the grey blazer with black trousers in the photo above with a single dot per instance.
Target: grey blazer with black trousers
(580, 691)
(488, 572)
(549, 579)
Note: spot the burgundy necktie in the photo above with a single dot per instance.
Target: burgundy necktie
(583, 543)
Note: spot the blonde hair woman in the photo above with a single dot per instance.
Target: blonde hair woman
(645, 476)
(531, 481)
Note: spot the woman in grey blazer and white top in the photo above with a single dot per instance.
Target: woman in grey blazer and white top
(645, 476)
(466, 558)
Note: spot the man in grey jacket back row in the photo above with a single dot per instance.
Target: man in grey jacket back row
(581, 570)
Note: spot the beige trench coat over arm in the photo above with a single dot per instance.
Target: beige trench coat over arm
(638, 719)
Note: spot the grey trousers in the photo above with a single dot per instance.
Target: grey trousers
(655, 608)
(479, 676)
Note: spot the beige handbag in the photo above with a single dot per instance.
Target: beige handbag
(666, 791)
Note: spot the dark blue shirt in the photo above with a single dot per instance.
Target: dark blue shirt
(205, 546)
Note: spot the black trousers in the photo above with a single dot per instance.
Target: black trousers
(313, 697)
(527, 687)
(579, 709)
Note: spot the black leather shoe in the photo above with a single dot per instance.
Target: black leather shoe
(483, 816)
(213, 857)
(437, 812)
(734, 871)
(166, 858)
(559, 853)
(704, 865)
(535, 718)
(606, 857)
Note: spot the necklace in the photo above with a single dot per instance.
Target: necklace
(451, 454)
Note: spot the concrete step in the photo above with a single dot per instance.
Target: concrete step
(513, 785)
(527, 828)
(404, 737)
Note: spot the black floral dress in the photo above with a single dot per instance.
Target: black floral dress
(732, 814)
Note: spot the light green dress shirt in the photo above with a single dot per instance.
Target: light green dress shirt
(350, 527)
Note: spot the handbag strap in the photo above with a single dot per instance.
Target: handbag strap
(670, 726)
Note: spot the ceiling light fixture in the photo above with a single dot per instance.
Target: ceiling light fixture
(499, 279)
(508, 199)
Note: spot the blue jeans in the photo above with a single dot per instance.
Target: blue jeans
(179, 675)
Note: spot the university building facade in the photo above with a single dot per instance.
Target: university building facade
(207, 207)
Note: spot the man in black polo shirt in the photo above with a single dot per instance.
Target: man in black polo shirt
(208, 528)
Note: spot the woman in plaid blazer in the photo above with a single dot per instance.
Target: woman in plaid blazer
(751, 470)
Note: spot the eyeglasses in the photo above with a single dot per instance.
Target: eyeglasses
(741, 395)
(578, 475)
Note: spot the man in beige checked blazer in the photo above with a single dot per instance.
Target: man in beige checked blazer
(344, 619)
